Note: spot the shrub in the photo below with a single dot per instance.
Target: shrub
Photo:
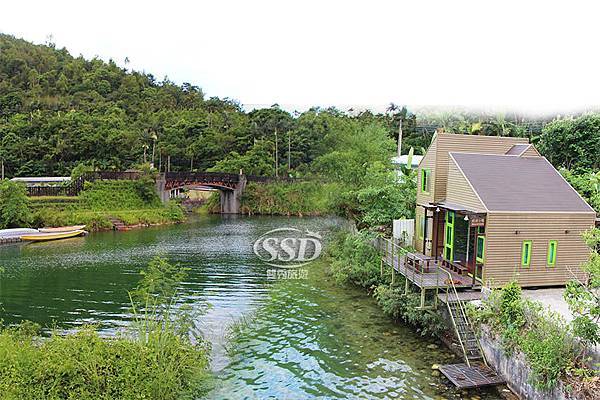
(14, 205)
(354, 260)
(544, 338)
(157, 360)
(289, 198)
(404, 307)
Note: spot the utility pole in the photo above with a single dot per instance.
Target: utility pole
(400, 137)
(289, 151)
(276, 156)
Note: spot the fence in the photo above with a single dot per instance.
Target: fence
(404, 231)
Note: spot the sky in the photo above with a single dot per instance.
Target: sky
(513, 55)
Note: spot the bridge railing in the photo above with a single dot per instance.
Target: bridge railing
(202, 176)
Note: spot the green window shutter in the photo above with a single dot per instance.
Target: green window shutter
(526, 253)
(449, 237)
(552, 247)
(425, 175)
(480, 248)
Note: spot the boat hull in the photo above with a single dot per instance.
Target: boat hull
(39, 237)
(62, 229)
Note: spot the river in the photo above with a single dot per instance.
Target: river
(298, 338)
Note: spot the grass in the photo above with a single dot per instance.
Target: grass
(156, 359)
(132, 202)
(289, 198)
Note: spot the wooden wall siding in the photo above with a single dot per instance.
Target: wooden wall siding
(531, 152)
(448, 142)
(503, 247)
(428, 162)
(460, 191)
(420, 213)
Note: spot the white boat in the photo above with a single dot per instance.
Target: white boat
(16, 232)
(62, 229)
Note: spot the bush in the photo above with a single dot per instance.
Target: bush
(354, 260)
(119, 195)
(289, 198)
(541, 335)
(404, 307)
(14, 205)
(156, 360)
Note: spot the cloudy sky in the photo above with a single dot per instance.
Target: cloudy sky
(533, 56)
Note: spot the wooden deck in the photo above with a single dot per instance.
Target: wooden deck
(436, 277)
(460, 296)
(475, 376)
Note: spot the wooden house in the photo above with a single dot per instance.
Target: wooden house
(494, 209)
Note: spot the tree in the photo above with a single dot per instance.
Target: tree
(583, 298)
(14, 205)
(572, 143)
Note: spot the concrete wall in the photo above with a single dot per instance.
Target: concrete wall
(515, 370)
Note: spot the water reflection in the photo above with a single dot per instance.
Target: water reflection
(308, 338)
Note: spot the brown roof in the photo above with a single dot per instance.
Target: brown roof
(506, 183)
(518, 149)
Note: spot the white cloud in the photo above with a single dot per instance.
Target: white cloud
(514, 54)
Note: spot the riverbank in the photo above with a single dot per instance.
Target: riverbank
(286, 198)
(102, 204)
(538, 353)
(307, 338)
(154, 358)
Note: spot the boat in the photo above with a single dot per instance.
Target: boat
(62, 229)
(15, 232)
(43, 236)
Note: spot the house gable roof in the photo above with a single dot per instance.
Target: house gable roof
(509, 183)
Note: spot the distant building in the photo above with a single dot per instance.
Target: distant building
(43, 180)
(403, 160)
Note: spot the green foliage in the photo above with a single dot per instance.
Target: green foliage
(80, 170)
(288, 198)
(583, 298)
(572, 142)
(587, 184)
(157, 360)
(354, 260)
(404, 307)
(105, 195)
(540, 334)
(256, 161)
(133, 202)
(383, 198)
(14, 205)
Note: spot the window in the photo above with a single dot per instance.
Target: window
(552, 246)
(422, 227)
(526, 253)
(425, 180)
(480, 248)
(449, 237)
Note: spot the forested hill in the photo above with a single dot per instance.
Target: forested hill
(58, 111)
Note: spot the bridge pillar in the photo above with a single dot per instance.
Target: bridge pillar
(231, 199)
(160, 183)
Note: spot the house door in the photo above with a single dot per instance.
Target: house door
(449, 236)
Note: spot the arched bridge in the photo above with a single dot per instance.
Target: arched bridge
(230, 186)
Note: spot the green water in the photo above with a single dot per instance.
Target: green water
(303, 338)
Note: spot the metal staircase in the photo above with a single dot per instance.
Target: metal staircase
(463, 329)
(464, 332)
(475, 372)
